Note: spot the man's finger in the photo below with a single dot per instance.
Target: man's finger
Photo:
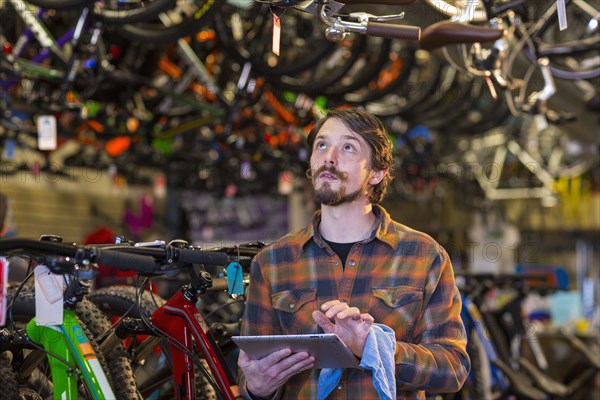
(277, 356)
(327, 305)
(323, 321)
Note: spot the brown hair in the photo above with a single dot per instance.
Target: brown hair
(372, 130)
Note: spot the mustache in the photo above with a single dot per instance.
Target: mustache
(342, 176)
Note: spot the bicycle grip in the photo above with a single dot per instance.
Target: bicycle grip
(393, 31)
(124, 260)
(202, 257)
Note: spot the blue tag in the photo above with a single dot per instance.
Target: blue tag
(9, 148)
(235, 284)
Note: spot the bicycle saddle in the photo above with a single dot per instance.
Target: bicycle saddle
(444, 33)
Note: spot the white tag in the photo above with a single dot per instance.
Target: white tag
(48, 297)
(46, 127)
(562, 14)
(3, 288)
(276, 34)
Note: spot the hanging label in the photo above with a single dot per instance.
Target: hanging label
(276, 34)
(48, 297)
(9, 148)
(3, 289)
(235, 284)
(46, 127)
(562, 14)
(491, 87)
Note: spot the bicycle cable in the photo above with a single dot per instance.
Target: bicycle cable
(174, 342)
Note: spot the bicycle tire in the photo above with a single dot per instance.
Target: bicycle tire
(141, 14)
(11, 390)
(60, 4)
(115, 364)
(117, 300)
(9, 380)
(161, 34)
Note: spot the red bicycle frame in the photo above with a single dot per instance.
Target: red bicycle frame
(181, 320)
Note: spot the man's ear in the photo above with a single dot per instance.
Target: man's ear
(378, 176)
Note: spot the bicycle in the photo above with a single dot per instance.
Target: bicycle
(495, 335)
(74, 367)
(154, 356)
(167, 260)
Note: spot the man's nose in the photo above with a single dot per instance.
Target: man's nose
(330, 157)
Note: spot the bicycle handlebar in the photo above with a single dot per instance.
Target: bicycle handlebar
(109, 257)
(124, 260)
(139, 259)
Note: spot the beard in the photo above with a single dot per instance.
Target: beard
(325, 195)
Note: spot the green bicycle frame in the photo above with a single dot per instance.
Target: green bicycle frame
(69, 351)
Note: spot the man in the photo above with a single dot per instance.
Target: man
(352, 270)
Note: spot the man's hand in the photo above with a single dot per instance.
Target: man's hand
(265, 376)
(348, 323)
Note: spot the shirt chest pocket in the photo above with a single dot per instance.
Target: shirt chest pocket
(398, 307)
(294, 309)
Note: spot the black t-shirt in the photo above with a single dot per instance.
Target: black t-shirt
(341, 249)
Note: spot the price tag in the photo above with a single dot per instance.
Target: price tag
(276, 33)
(9, 148)
(3, 289)
(491, 87)
(562, 14)
(46, 127)
(235, 284)
(48, 297)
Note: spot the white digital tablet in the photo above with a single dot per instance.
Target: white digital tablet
(327, 348)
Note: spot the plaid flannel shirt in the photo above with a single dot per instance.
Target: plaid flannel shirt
(402, 277)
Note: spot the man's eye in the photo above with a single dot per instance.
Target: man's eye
(321, 145)
(348, 147)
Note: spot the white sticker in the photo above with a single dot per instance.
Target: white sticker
(562, 14)
(3, 288)
(48, 297)
(46, 127)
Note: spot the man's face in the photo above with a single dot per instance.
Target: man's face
(340, 164)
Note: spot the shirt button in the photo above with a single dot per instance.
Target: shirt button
(352, 262)
(336, 262)
(292, 305)
(340, 387)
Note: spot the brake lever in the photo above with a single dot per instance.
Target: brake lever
(363, 16)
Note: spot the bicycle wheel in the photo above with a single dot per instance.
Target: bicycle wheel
(572, 52)
(119, 12)
(456, 9)
(185, 19)
(153, 374)
(115, 364)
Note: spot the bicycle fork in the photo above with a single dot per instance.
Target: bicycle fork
(69, 351)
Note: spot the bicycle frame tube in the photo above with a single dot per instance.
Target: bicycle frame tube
(68, 343)
(472, 318)
(180, 319)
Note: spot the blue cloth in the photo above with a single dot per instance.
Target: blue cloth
(378, 357)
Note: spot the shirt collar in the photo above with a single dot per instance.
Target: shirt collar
(384, 231)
